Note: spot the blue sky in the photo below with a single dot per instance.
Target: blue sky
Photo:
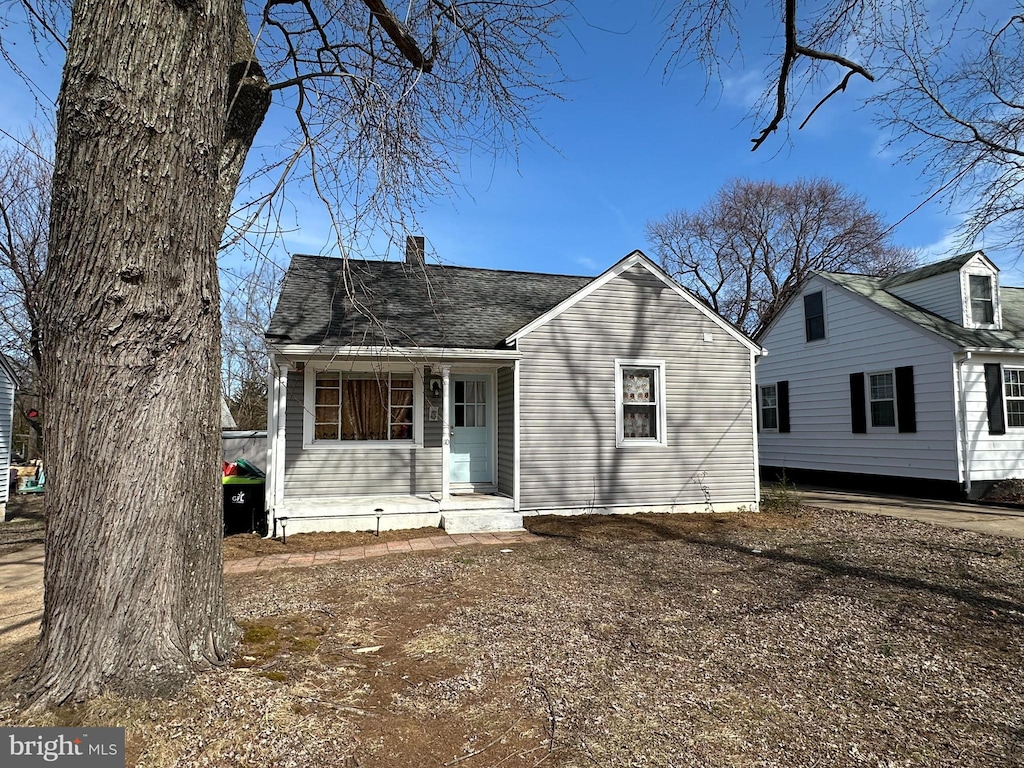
(626, 146)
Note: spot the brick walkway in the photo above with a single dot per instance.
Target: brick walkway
(444, 541)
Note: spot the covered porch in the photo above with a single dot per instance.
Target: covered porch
(444, 453)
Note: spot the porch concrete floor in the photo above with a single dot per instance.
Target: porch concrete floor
(394, 505)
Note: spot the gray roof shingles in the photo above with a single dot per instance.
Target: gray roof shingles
(1011, 336)
(930, 270)
(354, 302)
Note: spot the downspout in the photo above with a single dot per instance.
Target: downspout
(964, 441)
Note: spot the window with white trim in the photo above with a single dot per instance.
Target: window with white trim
(982, 304)
(882, 399)
(1013, 390)
(362, 406)
(770, 407)
(640, 402)
(814, 316)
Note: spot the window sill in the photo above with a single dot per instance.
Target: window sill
(356, 445)
(639, 442)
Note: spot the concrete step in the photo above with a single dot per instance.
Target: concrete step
(483, 521)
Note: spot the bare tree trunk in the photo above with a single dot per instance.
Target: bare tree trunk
(133, 579)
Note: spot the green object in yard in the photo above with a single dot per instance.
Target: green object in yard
(237, 480)
(35, 484)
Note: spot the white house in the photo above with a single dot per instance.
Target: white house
(405, 394)
(918, 376)
(8, 384)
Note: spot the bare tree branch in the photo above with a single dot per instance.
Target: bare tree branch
(747, 249)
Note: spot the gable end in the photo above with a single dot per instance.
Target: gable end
(636, 258)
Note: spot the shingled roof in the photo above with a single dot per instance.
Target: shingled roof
(930, 270)
(1011, 336)
(357, 302)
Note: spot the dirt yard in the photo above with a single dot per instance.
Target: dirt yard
(808, 639)
(24, 524)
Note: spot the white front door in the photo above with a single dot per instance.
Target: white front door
(471, 419)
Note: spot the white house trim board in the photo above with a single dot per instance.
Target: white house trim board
(516, 441)
(418, 355)
(446, 434)
(636, 258)
(272, 403)
(282, 420)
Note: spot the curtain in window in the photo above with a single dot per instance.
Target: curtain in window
(638, 404)
(364, 411)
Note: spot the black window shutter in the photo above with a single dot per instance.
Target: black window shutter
(906, 408)
(994, 398)
(782, 388)
(757, 406)
(857, 414)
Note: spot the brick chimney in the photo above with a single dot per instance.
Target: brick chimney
(415, 246)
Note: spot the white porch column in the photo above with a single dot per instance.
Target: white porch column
(271, 460)
(282, 421)
(516, 445)
(446, 434)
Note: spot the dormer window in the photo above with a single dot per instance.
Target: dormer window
(982, 305)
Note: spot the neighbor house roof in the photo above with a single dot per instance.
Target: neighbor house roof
(7, 366)
(931, 270)
(1011, 336)
(357, 302)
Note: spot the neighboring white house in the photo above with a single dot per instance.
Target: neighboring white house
(405, 394)
(8, 384)
(917, 376)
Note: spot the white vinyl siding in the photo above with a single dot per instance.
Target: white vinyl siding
(939, 294)
(992, 457)
(7, 387)
(863, 338)
(568, 454)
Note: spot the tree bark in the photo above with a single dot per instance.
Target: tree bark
(133, 578)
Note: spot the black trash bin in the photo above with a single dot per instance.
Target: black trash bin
(244, 509)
